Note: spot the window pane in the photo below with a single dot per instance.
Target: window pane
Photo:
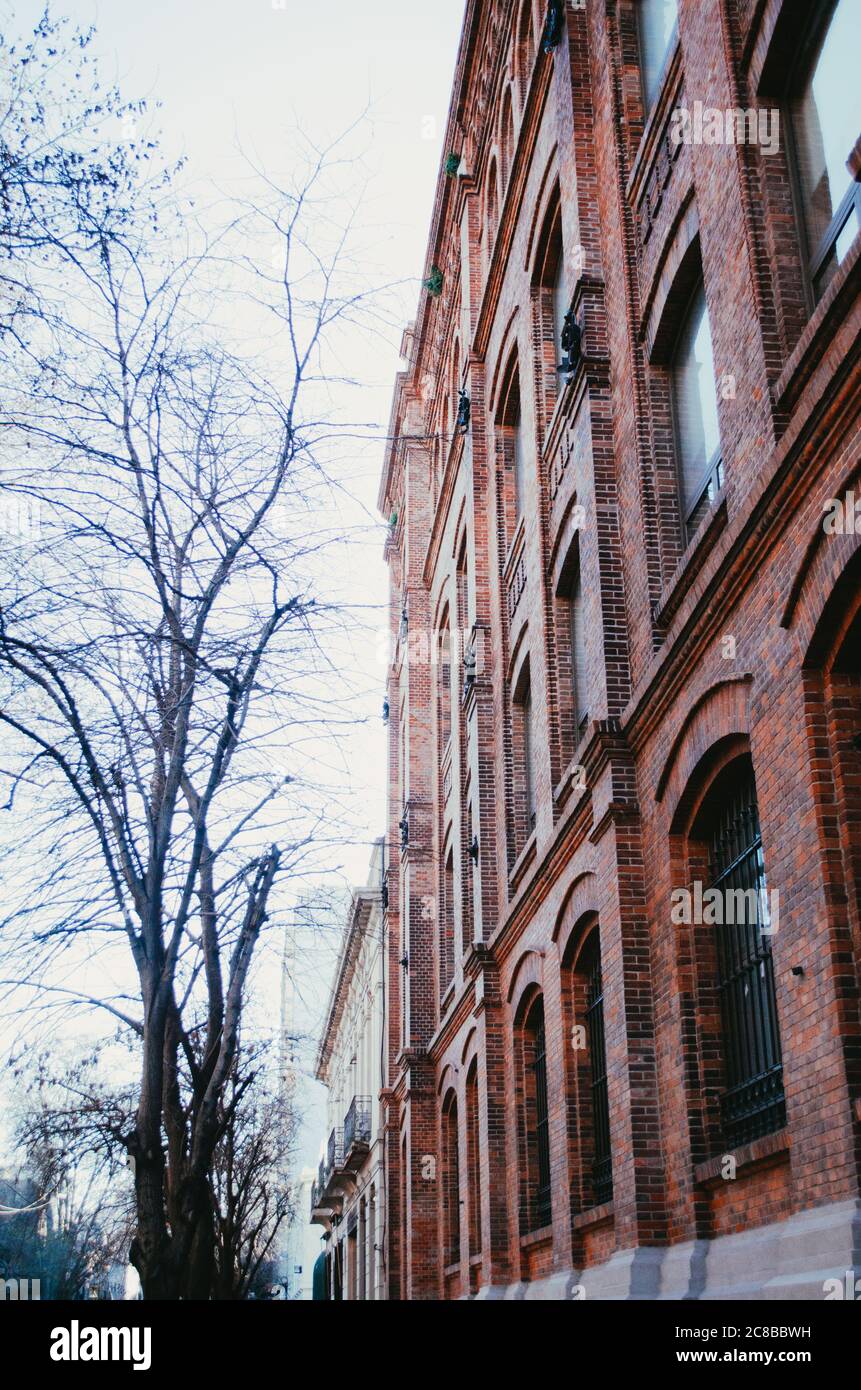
(560, 300)
(519, 468)
(753, 1101)
(578, 653)
(657, 23)
(527, 755)
(695, 400)
(827, 120)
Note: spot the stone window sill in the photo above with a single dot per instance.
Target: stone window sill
(806, 356)
(521, 863)
(691, 562)
(543, 1236)
(593, 1216)
(746, 1158)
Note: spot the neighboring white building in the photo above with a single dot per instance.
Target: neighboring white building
(348, 1198)
(303, 1243)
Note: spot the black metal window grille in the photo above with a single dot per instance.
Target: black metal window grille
(542, 1129)
(753, 1102)
(452, 1193)
(602, 1166)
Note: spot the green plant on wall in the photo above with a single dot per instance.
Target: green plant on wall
(433, 284)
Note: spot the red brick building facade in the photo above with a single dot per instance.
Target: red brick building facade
(626, 680)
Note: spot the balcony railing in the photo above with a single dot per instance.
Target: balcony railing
(357, 1123)
(334, 1152)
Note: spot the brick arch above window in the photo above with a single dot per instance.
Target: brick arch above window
(506, 359)
(525, 49)
(721, 711)
(470, 1050)
(527, 981)
(679, 270)
(581, 902)
(829, 566)
(447, 1086)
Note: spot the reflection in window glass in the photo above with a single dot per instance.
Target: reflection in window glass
(560, 298)
(826, 122)
(519, 467)
(695, 399)
(657, 25)
(527, 755)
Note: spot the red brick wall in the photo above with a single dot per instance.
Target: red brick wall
(669, 699)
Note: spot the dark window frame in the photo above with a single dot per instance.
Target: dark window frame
(710, 484)
(812, 264)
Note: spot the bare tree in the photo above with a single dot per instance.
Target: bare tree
(250, 1202)
(169, 659)
(76, 1230)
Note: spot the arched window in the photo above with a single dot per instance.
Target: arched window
(552, 290)
(512, 453)
(656, 27)
(727, 844)
(451, 1180)
(825, 118)
(696, 412)
(535, 1120)
(588, 1099)
(473, 1160)
(602, 1168)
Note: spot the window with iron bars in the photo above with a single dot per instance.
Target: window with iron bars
(753, 1102)
(602, 1166)
(542, 1128)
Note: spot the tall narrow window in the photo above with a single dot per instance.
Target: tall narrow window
(602, 1168)
(507, 138)
(826, 122)
(696, 413)
(559, 287)
(474, 1160)
(537, 1117)
(444, 685)
(753, 1102)
(492, 207)
(578, 652)
(519, 453)
(528, 755)
(524, 758)
(656, 23)
(455, 384)
(446, 926)
(572, 683)
(512, 451)
(451, 1181)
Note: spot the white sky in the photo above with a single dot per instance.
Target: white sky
(247, 71)
(230, 71)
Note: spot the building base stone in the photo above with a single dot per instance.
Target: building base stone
(789, 1259)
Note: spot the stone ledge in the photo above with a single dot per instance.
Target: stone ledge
(746, 1157)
